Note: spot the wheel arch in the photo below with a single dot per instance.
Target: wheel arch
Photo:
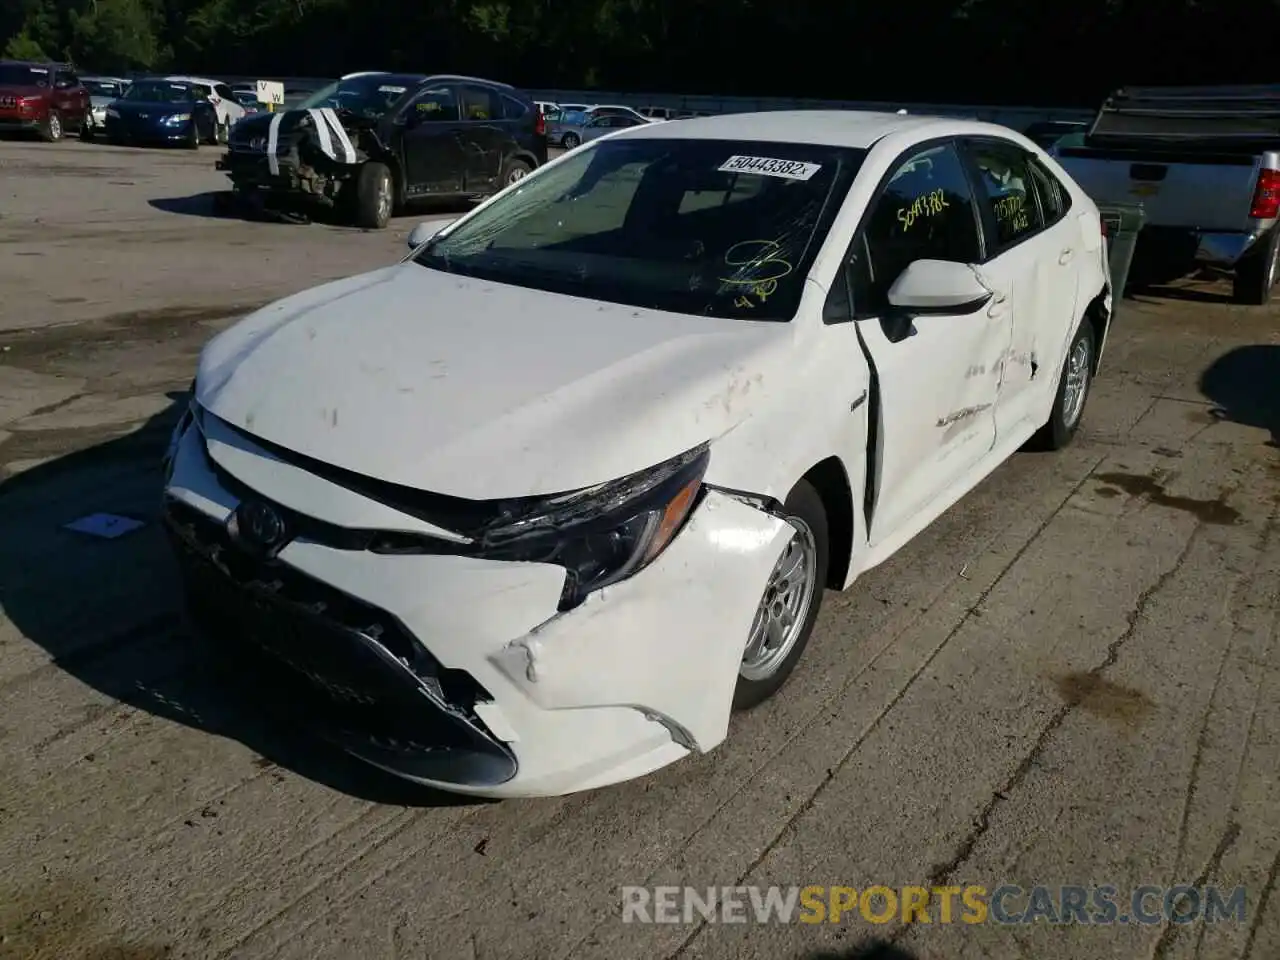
(1099, 318)
(831, 480)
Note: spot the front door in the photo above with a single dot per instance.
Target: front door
(937, 377)
(431, 148)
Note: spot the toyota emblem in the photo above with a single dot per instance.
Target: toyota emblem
(257, 525)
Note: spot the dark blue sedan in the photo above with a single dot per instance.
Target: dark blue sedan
(162, 111)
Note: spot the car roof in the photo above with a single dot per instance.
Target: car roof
(855, 129)
(201, 80)
(50, 64)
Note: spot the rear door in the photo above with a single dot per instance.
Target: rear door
(70, 97)
(431, 149)
(484, 138)
(936, 383)
(1031, 266)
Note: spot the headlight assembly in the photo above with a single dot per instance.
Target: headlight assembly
(605, 533)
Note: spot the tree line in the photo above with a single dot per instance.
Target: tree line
(952, 51)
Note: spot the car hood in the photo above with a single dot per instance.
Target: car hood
(99, 103)
(480, 390)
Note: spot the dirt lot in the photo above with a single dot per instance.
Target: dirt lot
(1072, 678)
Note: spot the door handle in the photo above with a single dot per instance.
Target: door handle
(1065, 256)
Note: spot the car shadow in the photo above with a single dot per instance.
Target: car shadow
(1244, 383)
(107, 612)
(873, 950)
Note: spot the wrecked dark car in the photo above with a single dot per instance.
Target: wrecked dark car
(371, 143)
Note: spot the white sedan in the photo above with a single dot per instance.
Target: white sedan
(534, 510)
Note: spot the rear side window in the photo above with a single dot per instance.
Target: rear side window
(1007, 193)
(513, 109)
(481, 104)
(224, 92)
(1054, 199)
(925, 212)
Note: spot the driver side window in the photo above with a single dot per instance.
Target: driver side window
(925, 212)
(435, 104)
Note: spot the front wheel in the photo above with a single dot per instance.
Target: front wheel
(374, 196)
(192, 141)
(1073, 390)
(789, 605)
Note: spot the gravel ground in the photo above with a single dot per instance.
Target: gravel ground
(1071, 678)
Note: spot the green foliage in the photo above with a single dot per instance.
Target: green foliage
(953, 51)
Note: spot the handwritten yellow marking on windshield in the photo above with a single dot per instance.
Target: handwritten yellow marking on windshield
(759, 268)
(926, 205)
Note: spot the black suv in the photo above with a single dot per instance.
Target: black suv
(372, 142)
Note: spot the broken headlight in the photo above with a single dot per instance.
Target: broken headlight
(608, 532)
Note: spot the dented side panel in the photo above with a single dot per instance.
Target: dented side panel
(667, 642)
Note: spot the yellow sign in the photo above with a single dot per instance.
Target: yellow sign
(1145, 189)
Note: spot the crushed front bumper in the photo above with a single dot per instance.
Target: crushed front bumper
(458, 672)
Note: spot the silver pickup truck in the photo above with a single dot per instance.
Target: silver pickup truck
(1205, 164)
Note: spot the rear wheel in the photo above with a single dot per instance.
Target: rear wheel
(513, 171)
(374, 196)
(789, 605)
(51, 130)
(86, 128)
(1073, 390)
(570, 141)
(1255, 276)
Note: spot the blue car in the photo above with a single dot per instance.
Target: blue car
(159, 111)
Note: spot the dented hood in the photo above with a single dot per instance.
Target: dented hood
(480, 390)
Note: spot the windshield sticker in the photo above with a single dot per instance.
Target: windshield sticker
(926, 205)
(769, 167)
(392, 89)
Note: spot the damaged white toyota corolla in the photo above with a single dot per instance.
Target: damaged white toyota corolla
(537, 508)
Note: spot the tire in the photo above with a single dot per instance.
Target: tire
(192, 142)
(86, 131)
(762, 675)
(1074, 381)
(51, 130)
(513, 171)
(570, 140)
(1255, 276)
(375, 196)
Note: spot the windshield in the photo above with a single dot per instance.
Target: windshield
(103, 88)
(368, 96)
(20, 75)
(159, 91)
(711, 227)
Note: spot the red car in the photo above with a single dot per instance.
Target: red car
(43, 98)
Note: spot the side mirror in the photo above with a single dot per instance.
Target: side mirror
(938, 287)
(425, 231)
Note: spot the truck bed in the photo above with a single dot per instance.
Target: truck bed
(1208, 190)
(1191, 155)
